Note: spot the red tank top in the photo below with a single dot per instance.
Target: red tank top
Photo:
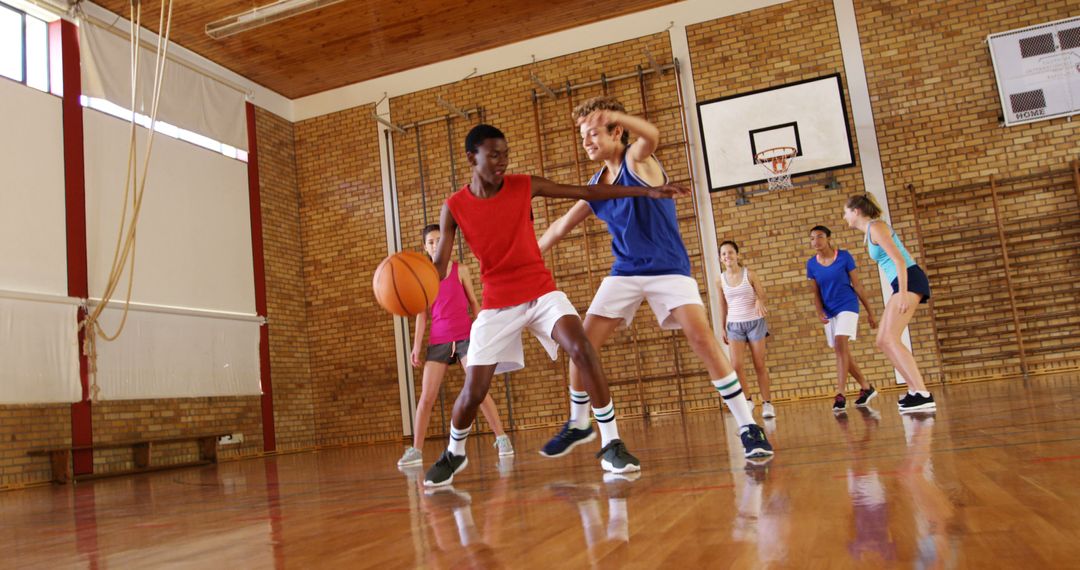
(499, 231)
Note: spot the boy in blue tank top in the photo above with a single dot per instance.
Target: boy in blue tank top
(651, 264)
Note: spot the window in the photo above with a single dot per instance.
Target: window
(163, 128)
(24, 48)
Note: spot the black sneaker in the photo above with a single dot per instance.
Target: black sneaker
(567, 438)
(916, 402)
(442, 473)
(839, 405)
(865, 396)
(754, 442)
(616, 459)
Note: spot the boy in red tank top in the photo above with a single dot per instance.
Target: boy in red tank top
(494, 213)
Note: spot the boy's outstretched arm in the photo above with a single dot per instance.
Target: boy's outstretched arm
(562, 226)
(448, 231)
(548, 189)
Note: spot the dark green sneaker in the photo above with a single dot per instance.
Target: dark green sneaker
(616, 459)
(442, 473)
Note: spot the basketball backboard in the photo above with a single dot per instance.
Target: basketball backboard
(808, 115)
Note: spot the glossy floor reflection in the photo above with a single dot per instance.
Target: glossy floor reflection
(992, 479)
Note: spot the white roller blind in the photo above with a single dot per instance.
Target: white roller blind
(39, 351)
(33, 250)
(190, 100)
(194, 237)
(162, 355)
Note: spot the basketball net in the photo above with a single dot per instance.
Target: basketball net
(777, 162)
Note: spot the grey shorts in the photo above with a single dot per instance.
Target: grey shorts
(747, 331)
(447, 352)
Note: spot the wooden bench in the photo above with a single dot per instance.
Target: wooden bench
(60, 457)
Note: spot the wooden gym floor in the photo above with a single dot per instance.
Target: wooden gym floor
(987, 481)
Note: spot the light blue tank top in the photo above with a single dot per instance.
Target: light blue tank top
(645, 238)
(877, 253)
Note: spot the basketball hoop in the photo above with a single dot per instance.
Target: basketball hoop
(777, 161)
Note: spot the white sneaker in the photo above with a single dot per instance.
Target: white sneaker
(767, 410)
(503, 444)
(412, 456)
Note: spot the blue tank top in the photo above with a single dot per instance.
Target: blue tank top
(645, 238)
(877, 253)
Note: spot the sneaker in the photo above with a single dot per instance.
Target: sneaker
(916, 402)
(767, 410)
(412, 456)
(754, 442)
(503, 444)
(616, 459)
(839, 405)
(865, 396)
(568, 438)
(442, 473)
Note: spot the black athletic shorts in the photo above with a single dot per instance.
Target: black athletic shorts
(916, 283)
(448, 352)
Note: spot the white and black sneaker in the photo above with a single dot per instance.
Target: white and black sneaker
(442, 473)
(916, 403)
(865, 396)
(615, 458)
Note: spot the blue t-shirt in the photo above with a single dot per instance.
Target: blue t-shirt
(645, 238)
(834, 283)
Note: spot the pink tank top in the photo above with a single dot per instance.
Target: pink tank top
(741, 299)
(450, 320)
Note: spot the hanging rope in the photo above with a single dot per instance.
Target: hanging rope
(124, 253)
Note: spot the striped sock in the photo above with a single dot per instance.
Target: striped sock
(457, 440)
(731, 391)
(605, 419)
(579, 409)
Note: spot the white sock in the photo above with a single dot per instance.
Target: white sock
(605, 419)
(579, 409)
(457, 440)
(731, 391)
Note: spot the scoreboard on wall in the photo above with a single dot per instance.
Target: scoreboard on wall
(1038, 71)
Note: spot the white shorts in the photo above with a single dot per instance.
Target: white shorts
(496, 333)
(845, 323)
(619, 297)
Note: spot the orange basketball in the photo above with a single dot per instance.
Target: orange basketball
(406, 283)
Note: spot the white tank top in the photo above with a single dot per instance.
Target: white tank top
(741, 299)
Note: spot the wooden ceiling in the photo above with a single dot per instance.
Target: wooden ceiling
(357, 40)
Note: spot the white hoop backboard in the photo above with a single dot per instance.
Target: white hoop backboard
(808, 115)
(1038, 71)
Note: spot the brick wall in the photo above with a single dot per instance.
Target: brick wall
(752, 51)
(126, 420)
(294, 404)
(936, 110)
(29, 427)
(352, 360)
